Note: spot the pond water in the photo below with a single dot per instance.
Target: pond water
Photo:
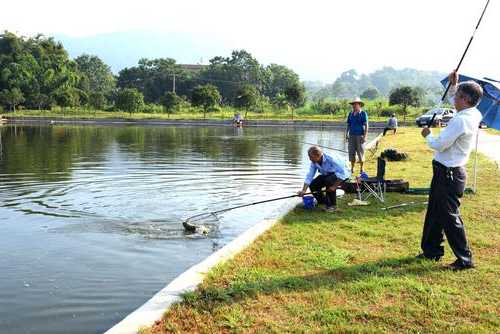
(90, 216)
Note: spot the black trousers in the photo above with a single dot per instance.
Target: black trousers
(319, 183)
(387, 129)
(443, 214)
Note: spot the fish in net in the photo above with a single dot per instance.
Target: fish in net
(202, 223)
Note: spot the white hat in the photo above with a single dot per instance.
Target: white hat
(357, 100)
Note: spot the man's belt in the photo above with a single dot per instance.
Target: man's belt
(441, 166)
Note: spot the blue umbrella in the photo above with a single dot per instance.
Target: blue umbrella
(489, 106)
(490, 102)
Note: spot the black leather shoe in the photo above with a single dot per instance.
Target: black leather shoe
(460, 265)
(422, 256)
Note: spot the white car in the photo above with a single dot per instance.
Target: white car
(443, 115)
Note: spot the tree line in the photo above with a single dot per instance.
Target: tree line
(379, 84)
(37, 73)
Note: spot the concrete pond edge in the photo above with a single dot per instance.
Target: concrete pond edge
(151, 311)
(181, 122)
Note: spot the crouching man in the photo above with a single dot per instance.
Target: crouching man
(333, 171)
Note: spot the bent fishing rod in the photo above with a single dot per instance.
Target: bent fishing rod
(189, 226)
(461, 60)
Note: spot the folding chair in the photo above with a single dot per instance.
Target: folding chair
(374, 186)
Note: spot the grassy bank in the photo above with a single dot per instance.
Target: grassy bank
(225, 113)
(355, 271)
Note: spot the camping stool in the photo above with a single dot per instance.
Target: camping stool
(377, 188)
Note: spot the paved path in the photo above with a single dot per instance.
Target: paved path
(489, 145)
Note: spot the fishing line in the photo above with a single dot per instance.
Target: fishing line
(330, 148)
(193, 223)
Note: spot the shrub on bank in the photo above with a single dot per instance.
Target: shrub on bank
(151, 108)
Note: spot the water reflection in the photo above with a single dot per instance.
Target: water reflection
(79, 171)
(86, 212)
(47, 153)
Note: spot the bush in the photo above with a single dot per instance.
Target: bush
(326, 107)
(206, 96)
(171, 102)
(69, 97)
(262, 105)
(130, 100)
(370, 94)
(110, 107)
(330, 108)
(389, 110)
(247, 97)
(214, 109)
(97, 100)
(185, 104)
(151, 108)
(386, 113)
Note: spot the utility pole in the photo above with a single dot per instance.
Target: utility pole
(173, 84)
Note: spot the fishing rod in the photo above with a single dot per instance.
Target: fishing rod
(343, 151)
(461, 59)
(190, 227)
(403, 204)
(330, 148)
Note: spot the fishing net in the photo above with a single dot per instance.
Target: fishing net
(205, 223)
(202, 223)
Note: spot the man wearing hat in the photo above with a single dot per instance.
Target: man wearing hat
(356, 132)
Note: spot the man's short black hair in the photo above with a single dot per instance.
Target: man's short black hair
(472, 92)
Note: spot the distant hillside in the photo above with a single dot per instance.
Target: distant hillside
(124, 49)
(384, 80)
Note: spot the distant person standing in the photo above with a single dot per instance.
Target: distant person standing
(356, 132)
(392, 124)
(452, 150)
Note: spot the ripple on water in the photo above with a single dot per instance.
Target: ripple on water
(89, 212)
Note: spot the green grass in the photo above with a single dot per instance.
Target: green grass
(355, 272)
(192, 114)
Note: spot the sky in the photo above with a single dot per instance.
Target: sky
(317, 39)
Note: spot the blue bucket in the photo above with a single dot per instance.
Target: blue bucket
(308, 202)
